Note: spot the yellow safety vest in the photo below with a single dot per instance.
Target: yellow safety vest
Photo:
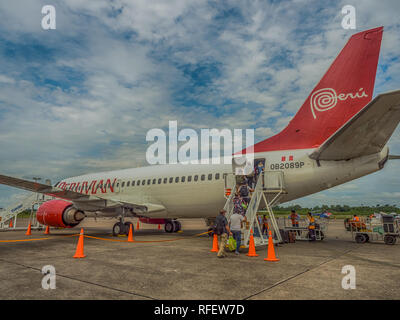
(312, 223)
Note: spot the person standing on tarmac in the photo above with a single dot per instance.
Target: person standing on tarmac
(295, 218)
(236, 229)
(222, 229)
(311, 226)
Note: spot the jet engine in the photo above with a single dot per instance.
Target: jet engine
(59, 213)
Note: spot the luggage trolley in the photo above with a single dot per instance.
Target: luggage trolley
(302, 232)
(383, 228)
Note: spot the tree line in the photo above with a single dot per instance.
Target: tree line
(340, 209)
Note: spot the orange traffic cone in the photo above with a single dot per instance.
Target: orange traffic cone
(215, 244)
(47, 230)
(252, 247)
(11, 224)
(130, 235)
(159, 227)
(137, 225)
(271, 251)
(28, 232)
(79, 248)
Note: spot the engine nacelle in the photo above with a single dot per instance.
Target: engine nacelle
(59, 213)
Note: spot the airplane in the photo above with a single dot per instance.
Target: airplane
(339, 134)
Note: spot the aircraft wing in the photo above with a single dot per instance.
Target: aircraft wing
(366, 132)
(81, 201)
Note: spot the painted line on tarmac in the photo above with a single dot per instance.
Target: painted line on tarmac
(104, 239)
(38, 239)
(84, 281)
(298, 274)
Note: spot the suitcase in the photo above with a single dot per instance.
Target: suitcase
(284, 235)
(292, 236)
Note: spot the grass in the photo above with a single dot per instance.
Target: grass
(303, 213)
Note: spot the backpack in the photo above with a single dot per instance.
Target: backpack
(244, 191)
(219, 227)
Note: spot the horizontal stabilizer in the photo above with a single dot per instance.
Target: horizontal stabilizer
(365, 133)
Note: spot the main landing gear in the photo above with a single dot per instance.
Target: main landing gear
(172, 226)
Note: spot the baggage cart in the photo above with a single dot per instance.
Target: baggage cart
(383, 228)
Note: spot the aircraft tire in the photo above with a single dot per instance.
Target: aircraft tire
(127, 227)
(177, 226)
(118, 228)
(169, 226)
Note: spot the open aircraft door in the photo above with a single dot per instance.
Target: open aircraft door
(230, 183)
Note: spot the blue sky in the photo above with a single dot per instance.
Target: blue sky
(81, 98)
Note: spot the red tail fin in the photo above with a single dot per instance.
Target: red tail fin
(344, 90)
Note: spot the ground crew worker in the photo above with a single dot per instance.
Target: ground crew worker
(236, 229)
(222, 230)
(311, 226)
(356, 219)
(295, 219)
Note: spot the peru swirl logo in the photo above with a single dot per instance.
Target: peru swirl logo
(325, 99)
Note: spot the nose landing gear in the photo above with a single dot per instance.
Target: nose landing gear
(122, 228)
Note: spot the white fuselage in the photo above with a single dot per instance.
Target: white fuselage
(204, 197)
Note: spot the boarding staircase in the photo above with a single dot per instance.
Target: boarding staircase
(268, 191)
(11, 213)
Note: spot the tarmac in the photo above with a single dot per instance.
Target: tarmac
(184, 268)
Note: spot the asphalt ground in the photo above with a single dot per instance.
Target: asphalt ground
(182, 267)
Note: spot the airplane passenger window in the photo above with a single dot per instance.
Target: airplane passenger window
(128, 183)
(176, 179)
(196, 177)
(189, 178)
(143, 182)
(165, 180)
(148, 181)
(159, 181)
(171, 179)
(133, 183)
(183, 179)
(210, 176)
(117, 184)
(203, 177)
(217, 176)
(123, 184)
(154, 181)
